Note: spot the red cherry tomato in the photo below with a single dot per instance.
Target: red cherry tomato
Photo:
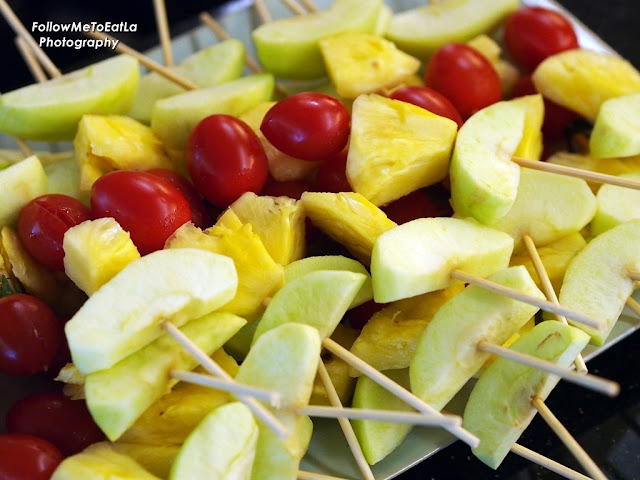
(225, 159)
(65, 423)
(432, 202)
(199, 215)
(332, 175)
(43, 222)
(146, 206)
(310, 126)
(292, 188)
(429, 99)
(532, 34)
(465, 77)
(30, 335)
(25, 457)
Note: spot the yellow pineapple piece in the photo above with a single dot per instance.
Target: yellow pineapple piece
(389, 340)
(278, 221)
(95, 251)
(360, 63)
(487, 46)
(112, 142)
(530, 146)
(259, 277)
(396, 148)
(581, 80)
(348, 218)
(156, 459)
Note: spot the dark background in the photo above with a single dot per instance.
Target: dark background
(608, 429)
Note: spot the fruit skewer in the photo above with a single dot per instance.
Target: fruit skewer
(162, 24)
(30, 59)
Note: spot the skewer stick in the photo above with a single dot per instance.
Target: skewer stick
(294, 6)
(399, 391)
(522, 297)
(345, 425)
(163, 31)
(633, 305)
(634, 275)
(547, 463)
(549, 292)
(21, 31)
(30, 59)
(562, 433)
(213, 368)
(146, 61)
(310, 5)
(578, 173)
(263, 11)
(273, 398)
(393, 416)
(592, 382)
(303, 475)
(24, 147)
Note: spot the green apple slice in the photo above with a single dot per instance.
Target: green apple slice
(126, 314)
(51, 111)
(222, 446)
(596, 282)
(499, 407)
(424, 29)
(615, 205)
(289, 48)
(616, 132)
(173, 118)
(118, 395)
(447, 355)
(419, 256)
(20, 183)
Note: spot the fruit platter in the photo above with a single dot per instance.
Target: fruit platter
(312, 214)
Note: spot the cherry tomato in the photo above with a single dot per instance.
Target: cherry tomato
(432, 202)
(532, 34)
(30, 335)
(25, 457)
(332, 175)
(43, 222)
(225, 159)
(429, 99)
(199, 215)
(146, 206)
(465, 77)
(65, 423)
(310, 126)
(292, 188)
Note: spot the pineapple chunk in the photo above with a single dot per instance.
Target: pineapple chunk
(348, 218)
(259, 277)
(389, 340)
(95, 251)
(156, 459)
(530, 146)
(581, 80)
(279, 222)
(112, 142)
(360, 63)
(396, 148)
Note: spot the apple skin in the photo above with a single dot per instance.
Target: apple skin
(616, 132)
(20, 183)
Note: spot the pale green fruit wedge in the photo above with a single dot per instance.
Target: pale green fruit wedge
(396, 148)
(447, 355)
(63, 176)
(332, 262)
(126, 314)
(596, 282)
(20, 183)
(615, 205)
(101, 462)
(499, 408)
(547, 207)
(616, 132)
(173, 118)
(423, 30)
(379, 439)
(50, 111)
(288, 47)
(118, 395)
(222, 446)
(319, 299)
(419, 256)
(156, 459)
(210, 66)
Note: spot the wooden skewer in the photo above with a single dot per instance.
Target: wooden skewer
(23, 146)
(213, 368)
(566, 438)
(549, 292)
(633, 305)
(30, 59)
(146, 61)
(399, 391)
(263, 11)
(393, 416)
(547, 463)
(21, 31)
(294, 6)
(634, 275)
(517, 295)
(303, 475)
(345, 425)
(593, 382)
(163, 31)
(273, 398)
(310, 5)
(577, 172)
